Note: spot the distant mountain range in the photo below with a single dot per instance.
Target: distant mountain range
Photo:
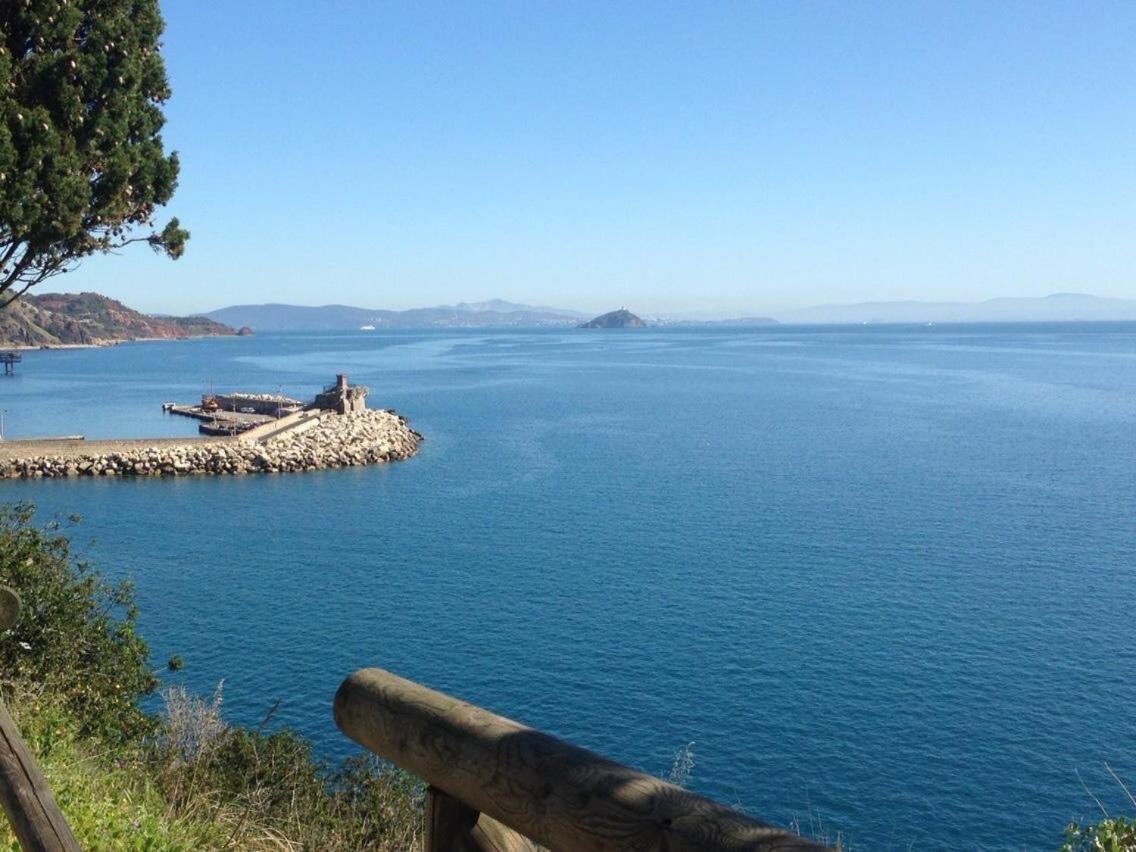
(1059, 307)
(494, 313)
(501, 314)
(54, 319)
(66, 319)
(738, 322)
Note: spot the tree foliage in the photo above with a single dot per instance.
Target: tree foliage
(82, 165)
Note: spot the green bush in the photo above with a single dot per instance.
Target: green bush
(76, 642)
(277, 786)
(1108, 835)
(76, 671)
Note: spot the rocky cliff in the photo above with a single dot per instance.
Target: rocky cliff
(55, 319)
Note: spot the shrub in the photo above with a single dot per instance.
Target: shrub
(76, 640)
(181, 779)
(1108, 835)
(270, 784)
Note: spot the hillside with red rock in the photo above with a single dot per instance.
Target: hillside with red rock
(62, 319)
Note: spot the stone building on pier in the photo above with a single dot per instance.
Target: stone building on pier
(342, 397)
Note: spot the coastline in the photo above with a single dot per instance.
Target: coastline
(104, 343)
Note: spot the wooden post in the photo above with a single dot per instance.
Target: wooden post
(453, 826)
(448, 823)
(557, 794)
(35, 818)
(24, 794)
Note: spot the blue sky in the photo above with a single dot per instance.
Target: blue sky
(671, 157)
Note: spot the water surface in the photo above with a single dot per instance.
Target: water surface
(882, 578)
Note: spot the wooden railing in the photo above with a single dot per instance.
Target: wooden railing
(498, 785)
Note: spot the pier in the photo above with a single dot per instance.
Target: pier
(218, 422)
(335, 430)
(234, 413)
(10, 360)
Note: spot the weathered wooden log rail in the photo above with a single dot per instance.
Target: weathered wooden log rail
(36, 819)
(498, 785)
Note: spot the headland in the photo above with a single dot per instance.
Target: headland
(81, 320)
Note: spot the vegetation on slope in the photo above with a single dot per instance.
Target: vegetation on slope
(1115, 834)
(75, 673)
(53, 319)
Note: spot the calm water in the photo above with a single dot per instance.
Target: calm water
(882, 577)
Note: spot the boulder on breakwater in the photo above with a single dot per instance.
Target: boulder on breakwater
(337, 440)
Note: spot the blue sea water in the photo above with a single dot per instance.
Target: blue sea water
(881, 578)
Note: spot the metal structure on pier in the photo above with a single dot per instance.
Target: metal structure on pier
(10, 360)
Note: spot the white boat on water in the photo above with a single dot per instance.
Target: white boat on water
(366, 328)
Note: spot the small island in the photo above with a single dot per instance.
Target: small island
(622, 318)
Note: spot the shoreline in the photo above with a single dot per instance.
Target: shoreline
(103, 344)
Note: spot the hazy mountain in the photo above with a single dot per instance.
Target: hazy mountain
(502, 307)
(738, 322)
(496, 313)
(622, 318)
(52, 319)
(1058, 307)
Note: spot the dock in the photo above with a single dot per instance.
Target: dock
(218, 422)
(232, 414)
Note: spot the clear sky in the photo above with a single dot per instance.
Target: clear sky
(718, 157)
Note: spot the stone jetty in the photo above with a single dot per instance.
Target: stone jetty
(316, 441)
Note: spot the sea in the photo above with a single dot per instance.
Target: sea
(879, 582)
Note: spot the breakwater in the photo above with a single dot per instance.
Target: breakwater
(325, 441)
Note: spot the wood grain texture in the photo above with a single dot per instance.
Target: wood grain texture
(36, 820)
(560, 795)
(492, 836)
(453, 826)
(448, 823)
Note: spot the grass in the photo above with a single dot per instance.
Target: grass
(106, 801)
(198, 783)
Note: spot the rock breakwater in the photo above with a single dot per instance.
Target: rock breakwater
(336, 440)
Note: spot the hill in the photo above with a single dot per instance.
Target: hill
(57, 319)
(1058, 307)
(622, 318)
(492, 314)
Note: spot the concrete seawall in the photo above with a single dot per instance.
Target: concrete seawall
(313, 442)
